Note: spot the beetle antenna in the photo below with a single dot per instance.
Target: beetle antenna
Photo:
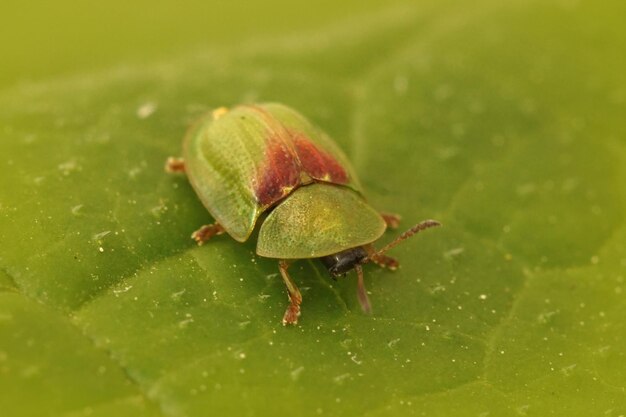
(426, 224)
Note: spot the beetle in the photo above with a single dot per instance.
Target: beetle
(266, 163)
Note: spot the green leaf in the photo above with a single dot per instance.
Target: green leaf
(504, 122)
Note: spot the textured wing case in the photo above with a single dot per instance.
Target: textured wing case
(253, 156)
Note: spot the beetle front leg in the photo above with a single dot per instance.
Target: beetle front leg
(381, 260)
(175, 165)
(295, 298)
(392, 220)
(206, 232)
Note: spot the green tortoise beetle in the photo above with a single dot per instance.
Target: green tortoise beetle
(269, 159)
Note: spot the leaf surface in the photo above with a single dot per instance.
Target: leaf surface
(503, 121)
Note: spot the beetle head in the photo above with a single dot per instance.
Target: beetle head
(340, 263)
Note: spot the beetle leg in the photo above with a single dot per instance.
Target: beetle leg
(174, 165)
(206, 232)
(381, 260)
(361, 292)
(392, 220)
(295, 298)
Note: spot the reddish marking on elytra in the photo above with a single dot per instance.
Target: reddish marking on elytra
(286, 157)
(317, 163)
(280, 174)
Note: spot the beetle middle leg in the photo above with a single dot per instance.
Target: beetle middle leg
(380, 259)
(392, 220)
(295, 298)
(206, 232)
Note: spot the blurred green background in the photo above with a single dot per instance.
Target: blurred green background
(502, 119)
(40, 39)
